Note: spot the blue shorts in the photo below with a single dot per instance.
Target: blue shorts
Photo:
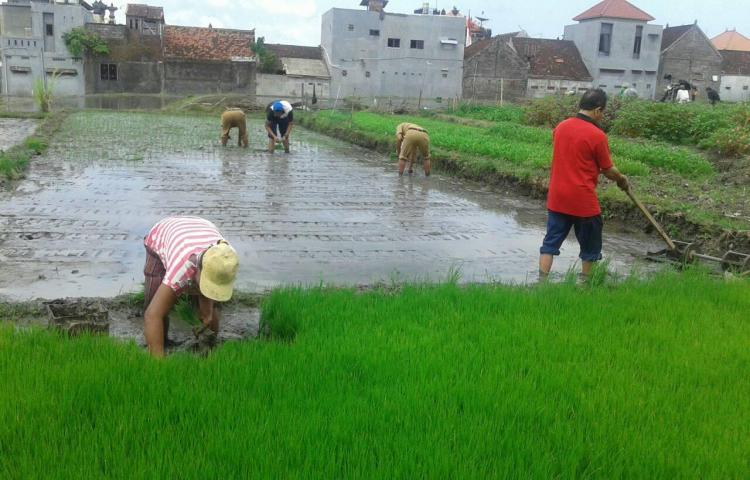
(588, 232)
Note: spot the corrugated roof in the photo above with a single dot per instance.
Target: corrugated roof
(559, 59)
(735, 63)
(295, 51)
(145, 11)
(672, 34)
(207, 43)
(732, 40)
(621, 9)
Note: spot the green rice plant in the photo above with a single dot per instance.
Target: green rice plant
(185, 311)
(614, 380)
(507, 113)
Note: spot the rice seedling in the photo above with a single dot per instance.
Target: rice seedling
(629, 380)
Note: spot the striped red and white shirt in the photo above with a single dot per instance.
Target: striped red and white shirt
(178, 241)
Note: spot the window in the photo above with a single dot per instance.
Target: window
(350, 27)
(417, 44)
(746, 87)
(344, 73)
(638, 41)
(648, 86)
(394, 42)
(605, 39)
(50, 29)
(374, 33)
(108, 71)
(367, 74)
(136, 24)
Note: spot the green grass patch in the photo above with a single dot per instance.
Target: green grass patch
(639, 380)
(15, 160)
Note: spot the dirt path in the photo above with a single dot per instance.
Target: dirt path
(328, 212)
(14, 131)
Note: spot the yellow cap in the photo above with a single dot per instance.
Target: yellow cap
(218, 271)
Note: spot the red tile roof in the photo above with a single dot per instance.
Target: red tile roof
(732, 40)
(207, 43)
(615, 9)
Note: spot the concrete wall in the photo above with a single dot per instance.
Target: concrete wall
(186, 77)
(541, 87)
(495, 73)
(22, 48)
(271, 87)
(735, 88)
(691, 58)
(363, 65)
(621, 67)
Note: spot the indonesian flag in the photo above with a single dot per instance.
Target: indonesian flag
(468, 31)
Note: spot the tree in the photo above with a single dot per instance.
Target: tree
(81, 43)
(268, 62)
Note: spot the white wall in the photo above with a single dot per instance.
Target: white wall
(272, 87)
(735, 88)
(363, 65)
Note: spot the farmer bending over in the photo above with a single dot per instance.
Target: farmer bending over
(279, 124)
(580, 155)
(410, 140)
(234, 118)
(185, 254)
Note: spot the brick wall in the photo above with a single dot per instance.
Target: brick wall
(691, 58)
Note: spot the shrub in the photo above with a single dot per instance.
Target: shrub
(80, 42)
(550, 111)
(732, 142)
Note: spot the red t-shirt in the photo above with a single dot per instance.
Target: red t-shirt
(581, 153)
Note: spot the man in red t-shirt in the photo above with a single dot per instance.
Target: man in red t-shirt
(580, 155)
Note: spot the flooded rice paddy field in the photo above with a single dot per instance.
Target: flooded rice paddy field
(14, 131)
(328, 212)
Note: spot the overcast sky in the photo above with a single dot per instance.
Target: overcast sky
(298, 21)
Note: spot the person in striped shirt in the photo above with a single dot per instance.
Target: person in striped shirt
(185, 255)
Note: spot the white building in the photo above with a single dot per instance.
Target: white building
(32, 47)
(374, 54)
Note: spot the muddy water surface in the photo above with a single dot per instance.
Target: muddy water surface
(328, 212)
(14, 131)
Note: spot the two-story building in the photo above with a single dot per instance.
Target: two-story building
(619, 46)
(32, 46)
(374, 54)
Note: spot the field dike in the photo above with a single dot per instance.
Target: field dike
(709, 238)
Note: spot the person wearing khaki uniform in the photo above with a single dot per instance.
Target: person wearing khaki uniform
(234, 118)
(412, 139)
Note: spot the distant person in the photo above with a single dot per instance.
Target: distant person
(411, 139)
(185, 255)
(713, 96)
(683, 95)
(580, 155)
(234, 118)
(628, 92)
(694, 94)
(279, 124)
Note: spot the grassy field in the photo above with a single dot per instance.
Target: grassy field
(639, 380)
(678, 181)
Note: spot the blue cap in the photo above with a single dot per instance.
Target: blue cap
(277, 107)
